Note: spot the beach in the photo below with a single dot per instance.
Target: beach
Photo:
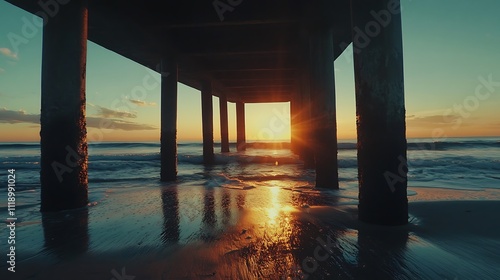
(256, 215)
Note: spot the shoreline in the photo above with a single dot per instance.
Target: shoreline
(218, 233)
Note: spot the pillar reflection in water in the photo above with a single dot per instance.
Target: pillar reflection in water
(226, 206)
(66, 233)
(209, 218)
(240, 201)
(170, 204)
(381, 254)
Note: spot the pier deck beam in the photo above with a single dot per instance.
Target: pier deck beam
(240, 126)
(323, 111)
(224, 126)
(168, 134)
(207, 121)
(64, 157)
(378, 66)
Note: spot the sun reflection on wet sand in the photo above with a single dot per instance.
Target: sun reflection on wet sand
(276, 207)
(272, 231)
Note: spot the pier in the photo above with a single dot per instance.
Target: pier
(242, 51)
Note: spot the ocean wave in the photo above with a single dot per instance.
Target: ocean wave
(123, 145)
(413, 144)
(452, 145)
(19, 145)
(125, 157)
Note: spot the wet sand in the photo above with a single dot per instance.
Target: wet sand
(202, 232)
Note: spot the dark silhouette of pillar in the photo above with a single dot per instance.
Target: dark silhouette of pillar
(208, 124)
(382, 254)
(170, 206)
(240, 126)
(295, 123)
(226, 206)
(378, 66)
(168, 132)
(63, 175)
(306, 151)
(224, 127)
(209, 218)
(66, 233)
(323, 109)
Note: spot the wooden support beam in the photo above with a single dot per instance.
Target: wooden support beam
(323, 109)
(208, 123)
(64, 157)
(168, 134)
(378, 68)
(305, 121)
(224, 126)
(240, 126)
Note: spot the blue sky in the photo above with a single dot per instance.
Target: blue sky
(451, 48)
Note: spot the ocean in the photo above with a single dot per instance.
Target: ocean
(463, 163)
(458, 163)
(251, 214)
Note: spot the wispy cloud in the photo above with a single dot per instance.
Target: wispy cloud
(104, 123)
(141, 103)
(432, 119)
(494, 125)
(8, 53)
(12, 117)
(16, 117)
(110, 113)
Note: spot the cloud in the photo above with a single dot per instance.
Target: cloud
(8, 53)
(16, 117)
(433, 119)
(104, 123)
(109, 113)
(141, 103)
(12, 117)
(494, 125)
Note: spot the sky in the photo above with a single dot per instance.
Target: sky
(451, 64)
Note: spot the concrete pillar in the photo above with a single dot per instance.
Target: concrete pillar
(208, 125)
(295, 124)
(240, 126)
(64, 157)
(306, 151)
(168, 137)
(378, 66)
(224, 126)
(323, 111)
